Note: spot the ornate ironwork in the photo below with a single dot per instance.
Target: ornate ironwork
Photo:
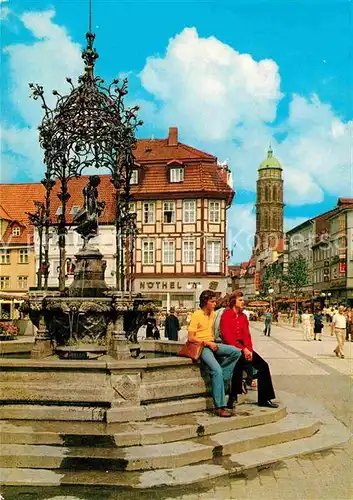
(38, 219)
(88, 128)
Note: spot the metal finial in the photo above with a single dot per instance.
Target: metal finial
(90, 17)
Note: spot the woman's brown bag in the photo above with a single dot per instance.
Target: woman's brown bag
(191, 349)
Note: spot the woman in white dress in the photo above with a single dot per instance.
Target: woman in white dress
(306, 324)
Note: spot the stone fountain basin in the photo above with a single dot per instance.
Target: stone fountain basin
(105, 389)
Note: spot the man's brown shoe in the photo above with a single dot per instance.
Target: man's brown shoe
(222, 412)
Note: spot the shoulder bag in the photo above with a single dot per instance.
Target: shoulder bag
(192, 350)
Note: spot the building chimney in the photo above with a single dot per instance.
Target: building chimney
(173, 136)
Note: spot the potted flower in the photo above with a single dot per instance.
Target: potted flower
(8, 331)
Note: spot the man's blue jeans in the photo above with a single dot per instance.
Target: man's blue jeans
(220, 365)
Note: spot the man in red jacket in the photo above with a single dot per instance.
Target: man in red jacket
(235, 331)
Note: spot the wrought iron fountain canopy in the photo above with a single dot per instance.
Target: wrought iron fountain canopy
(89, 128)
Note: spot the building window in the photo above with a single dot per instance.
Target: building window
(168, 253)
(4, 282)
(169, 212)
(176, 174)
(16, 231)
(132, 207)
(213, 256)
(22, 282)
(148, 252)
(274, 193)
(189, 211)
(189, 252)
(4, 256)
(214, 211)
(267, 193)
(148, 212)
(24, 256)
(134, 177)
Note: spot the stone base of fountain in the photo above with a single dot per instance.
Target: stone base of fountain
(89, 274)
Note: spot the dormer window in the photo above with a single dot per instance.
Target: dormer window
(177, 174)
(16, 231)
(134, 177)
(176, 170)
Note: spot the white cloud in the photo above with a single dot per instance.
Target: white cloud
(209, 88)
(47, 61)
(226, 102)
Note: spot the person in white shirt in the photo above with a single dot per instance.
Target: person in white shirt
(247, 313)
(306, 324)
(338, 326)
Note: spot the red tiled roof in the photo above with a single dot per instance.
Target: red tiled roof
(158, 150)
(3, 214)
(345, 201)
(202, 178)
(17, 200)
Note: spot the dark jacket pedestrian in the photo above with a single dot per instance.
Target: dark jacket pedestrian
(152, 332)
(318, 325)
(172, 326)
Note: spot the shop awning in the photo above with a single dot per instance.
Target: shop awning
(258, 303)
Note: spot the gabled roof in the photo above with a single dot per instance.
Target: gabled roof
(3, 214)
(202, 178)
(16, 200)
(158, 150)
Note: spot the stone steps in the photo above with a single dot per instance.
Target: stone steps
(161, 430)
(307, 428)
(158, 456)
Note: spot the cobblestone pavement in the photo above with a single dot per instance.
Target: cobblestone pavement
(307, 369)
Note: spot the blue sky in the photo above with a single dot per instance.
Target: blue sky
(233, 76)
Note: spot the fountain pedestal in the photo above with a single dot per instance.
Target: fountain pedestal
(89, 274)
(119, 346)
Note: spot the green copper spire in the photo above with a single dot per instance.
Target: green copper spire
(271, 161)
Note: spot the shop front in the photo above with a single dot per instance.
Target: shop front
(181, 293)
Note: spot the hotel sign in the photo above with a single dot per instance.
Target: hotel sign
(161, 285)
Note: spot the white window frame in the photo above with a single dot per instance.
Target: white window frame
(213, 265)
(189, 212)
(134, 177)
(176, 174)
(169, 206)
(148, 249)
(150, 212)
(16, 231)
(4, 282)
(168, 252)
(187, 252)
(5, 257)
(214, 211)
(23, 255)
(22, 282)
(132, 207)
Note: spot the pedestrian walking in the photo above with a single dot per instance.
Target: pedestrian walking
(172, 325)
(338, 326)
(318, 325)
(152, 331)
(349, 325)
(306, 324)
(268, 322)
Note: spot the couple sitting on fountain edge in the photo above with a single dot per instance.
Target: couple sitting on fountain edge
(226, 357)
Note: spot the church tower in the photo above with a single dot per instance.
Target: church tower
(269, 203)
